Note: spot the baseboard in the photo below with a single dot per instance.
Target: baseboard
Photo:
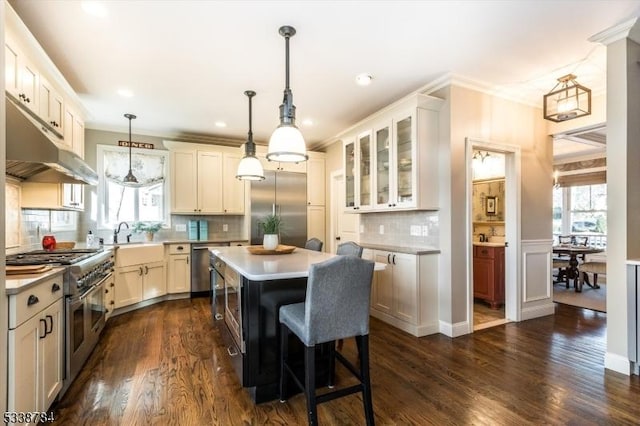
(418, 331)
(617, 363)
(455, 330)
(538, 311)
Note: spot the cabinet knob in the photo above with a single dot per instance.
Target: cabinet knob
(180, 248)
(32, 300)
(55, 287)
(112, 302)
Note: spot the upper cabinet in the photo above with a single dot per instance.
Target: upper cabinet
(203, 180)
(391, 162)
(33, 81)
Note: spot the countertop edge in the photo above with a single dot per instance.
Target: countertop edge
(30, 280)
(401, 249)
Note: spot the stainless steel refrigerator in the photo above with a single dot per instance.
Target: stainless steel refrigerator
(285, 194)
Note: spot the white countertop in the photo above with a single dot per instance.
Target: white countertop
(17, 283)
(273, 267)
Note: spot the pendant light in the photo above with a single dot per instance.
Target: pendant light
(287, 144)
(250, 167)
(571, 100)
(130, 178)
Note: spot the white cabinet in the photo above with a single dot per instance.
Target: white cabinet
(140, 274)
(316, 222)
(404, 294)
(36, 346)
(316, 181)
(73, 131)
(204, 182)
(178, 268)
(391, 163)
(21, 76)
(52, 196)
(233, 189)
(51, 106)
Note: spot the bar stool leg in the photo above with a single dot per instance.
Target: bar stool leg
(310, 383)
(332, 365)
(284, 355)
(363, 349)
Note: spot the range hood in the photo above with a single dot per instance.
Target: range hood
(33, 156)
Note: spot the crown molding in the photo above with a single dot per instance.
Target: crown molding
(618, 32)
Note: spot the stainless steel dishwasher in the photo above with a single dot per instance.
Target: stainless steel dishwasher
(200, 263)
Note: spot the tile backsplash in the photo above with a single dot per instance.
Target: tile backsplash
(397, 229)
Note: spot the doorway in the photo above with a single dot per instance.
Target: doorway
(493, 235)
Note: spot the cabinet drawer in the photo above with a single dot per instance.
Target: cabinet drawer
(23, 306)
(483, 252)
(179, 248)
(230, 277)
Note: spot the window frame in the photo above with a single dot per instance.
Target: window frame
(102, 185)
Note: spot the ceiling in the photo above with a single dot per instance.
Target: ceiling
(188, 63)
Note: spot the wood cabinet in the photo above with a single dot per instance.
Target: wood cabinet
(53, 196)
(36, 347)
(488, 274)
(178, 268)
(391, 162)
(204, 182)
(404, 294)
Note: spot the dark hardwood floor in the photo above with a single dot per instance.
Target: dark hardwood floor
(165, 365)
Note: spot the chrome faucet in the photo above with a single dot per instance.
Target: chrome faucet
(117, 231)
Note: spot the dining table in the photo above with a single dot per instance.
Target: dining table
(573, 272)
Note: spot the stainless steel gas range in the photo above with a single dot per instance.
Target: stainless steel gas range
(86, 272)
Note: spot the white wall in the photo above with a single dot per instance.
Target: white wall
(3, 300)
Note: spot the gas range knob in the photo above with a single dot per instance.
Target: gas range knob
(80, 283)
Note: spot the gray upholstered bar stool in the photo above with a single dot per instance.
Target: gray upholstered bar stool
(349, 248)
(313, 244)
(336, 307)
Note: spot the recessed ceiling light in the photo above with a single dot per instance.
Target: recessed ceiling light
(364, 79)
(307, 122)
(94, 8)
(125, 93)
(220, 124)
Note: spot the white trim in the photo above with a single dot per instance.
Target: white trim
(538, 311)
(415, 330)
(615, 33)
(512, 225)
(617, 363)
(454, 330)
(526, 253)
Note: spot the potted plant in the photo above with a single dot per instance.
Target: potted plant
(149, 228)
(271, 227)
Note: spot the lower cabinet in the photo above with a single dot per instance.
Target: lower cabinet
(404, 294)
(178, 268)
(36, 349)
(136, 283)
(488, 275)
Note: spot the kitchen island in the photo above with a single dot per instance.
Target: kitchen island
(255, 285)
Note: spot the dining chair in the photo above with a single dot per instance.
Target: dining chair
(336, 307)
(313, 244)
(561, 261)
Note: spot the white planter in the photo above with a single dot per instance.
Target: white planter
(270, 241)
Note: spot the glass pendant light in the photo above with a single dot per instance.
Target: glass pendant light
(130, 178)
(287, 144)
(250, 167)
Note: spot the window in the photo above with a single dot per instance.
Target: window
(146, 201)
(581, 210)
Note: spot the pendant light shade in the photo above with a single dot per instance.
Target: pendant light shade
(286, 143)
(250, 167)
(130, 178)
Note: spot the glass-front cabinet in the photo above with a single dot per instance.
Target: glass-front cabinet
(404, 160)
(364, 170)
(394, 166)
(349, 175)
(382, 137)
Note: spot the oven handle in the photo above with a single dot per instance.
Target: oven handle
(95, 286)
